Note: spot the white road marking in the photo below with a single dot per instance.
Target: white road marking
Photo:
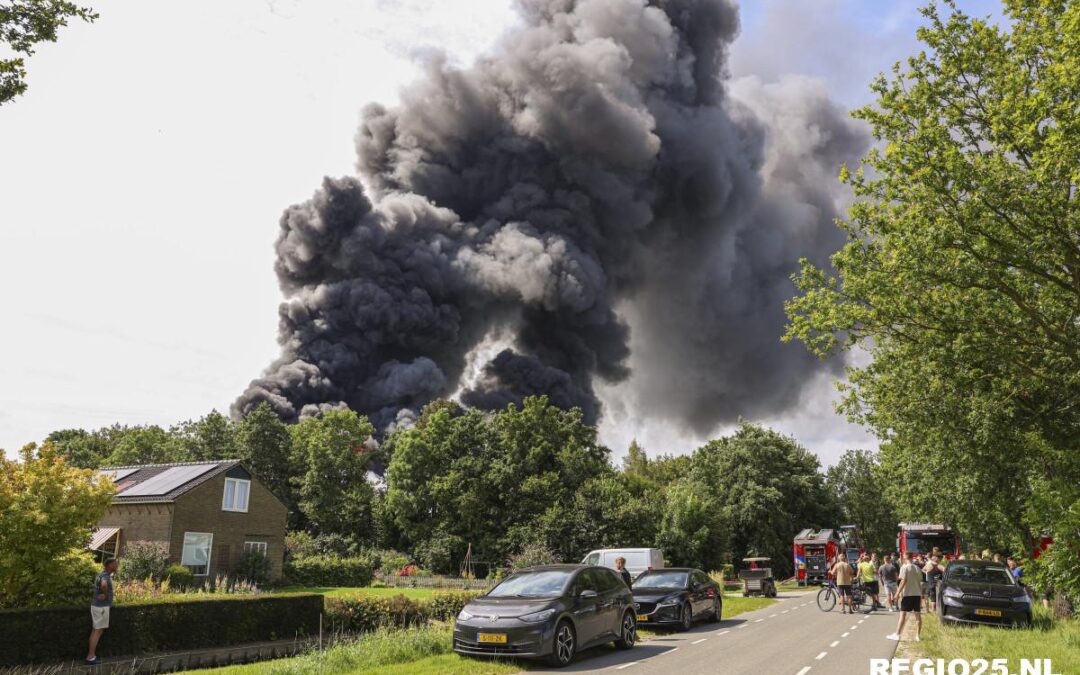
(854, 627)
(861, 620)
(673, 649)
(723, 632)
(785, 611)
(742, 626)
(759, 620)
(821, 656)
(697, 642)
(804, 671)
(772, 616)
(845, 635)
(835, 642)
(632, 663)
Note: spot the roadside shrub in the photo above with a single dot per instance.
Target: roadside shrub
(179, 577)
(329, 571)
(389, 561)
(531, 555)
(299, 544)
(70, 583)
(143, 560)
(253, 567)
(180, 623)
(446, 606)
(360, 614)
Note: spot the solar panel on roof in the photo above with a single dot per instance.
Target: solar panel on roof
(168, 480)
(116, 475)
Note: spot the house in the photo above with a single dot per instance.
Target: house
(207, 514)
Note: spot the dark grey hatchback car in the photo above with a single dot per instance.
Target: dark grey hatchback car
(550, 612)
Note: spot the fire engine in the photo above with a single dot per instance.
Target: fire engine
(923, 538)
(814, 552)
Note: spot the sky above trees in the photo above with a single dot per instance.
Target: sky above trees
(145, 170)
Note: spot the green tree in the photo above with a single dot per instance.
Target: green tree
(23, 25)
(858, 483)
(47, 510)
(961, 275)
(264, 445)
(80, 448)
(208, 438)
(146, 445)
(769, 488)
(334, 492)
(693, 531)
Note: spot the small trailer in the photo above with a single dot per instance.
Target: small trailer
(758, 579)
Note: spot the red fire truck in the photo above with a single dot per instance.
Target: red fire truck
(923, 538)
(814, 552)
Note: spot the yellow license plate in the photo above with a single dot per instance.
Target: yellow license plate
(642, 617)
(988, 612)
(493, 638)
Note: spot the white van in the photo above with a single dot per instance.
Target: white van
(638, 560)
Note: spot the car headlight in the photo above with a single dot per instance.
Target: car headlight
(951, 592)
(670, 602)
(1022, 599)
(464, 616)
(536, 617)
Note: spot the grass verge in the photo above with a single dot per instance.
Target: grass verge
(1048, 639)
(419, 650)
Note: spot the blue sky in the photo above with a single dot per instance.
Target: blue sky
(144, 172)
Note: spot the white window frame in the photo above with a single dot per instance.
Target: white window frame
(209, 552)
(259, 546)
(235, 482)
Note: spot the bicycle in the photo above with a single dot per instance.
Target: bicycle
(828, 595)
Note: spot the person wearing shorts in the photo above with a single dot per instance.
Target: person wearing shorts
(844, 575)
(868, 577)
(100, 606)
(890, 576)
(910, 592)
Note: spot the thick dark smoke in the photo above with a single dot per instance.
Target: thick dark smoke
(595, 179)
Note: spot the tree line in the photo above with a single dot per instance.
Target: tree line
(501, 482)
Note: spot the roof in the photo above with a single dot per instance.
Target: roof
(101, 536)
(810, 536)
(149, 483)
(927, 527)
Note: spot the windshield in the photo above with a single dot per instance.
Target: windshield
(664, 580)
(987, 574)
(541, 584)
(925, 544)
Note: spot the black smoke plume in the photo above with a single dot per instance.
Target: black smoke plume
(595, 183)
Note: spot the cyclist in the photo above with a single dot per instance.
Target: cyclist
(843, 574)
(868, 578)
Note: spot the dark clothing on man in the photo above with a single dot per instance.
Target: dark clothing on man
(626, 577)
(889, 572)
(105, 578)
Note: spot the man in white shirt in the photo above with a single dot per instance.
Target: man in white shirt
(910, 594)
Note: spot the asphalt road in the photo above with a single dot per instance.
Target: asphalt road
(792, 637)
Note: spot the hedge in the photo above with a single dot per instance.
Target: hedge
(60, 633)
(329, 571)
(359, 614)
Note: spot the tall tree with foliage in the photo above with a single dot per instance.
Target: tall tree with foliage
(961, 275)
(25, 24)
(210, 437)
(334, 492)
(859, 485)
(47, 511)
(768, 486)
(264, 445)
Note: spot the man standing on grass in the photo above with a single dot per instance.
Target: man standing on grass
(99, 607)
(910, 593)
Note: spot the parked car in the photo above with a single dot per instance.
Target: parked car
(638, 560)
(550, 612)
(982, 591)
(677, 596)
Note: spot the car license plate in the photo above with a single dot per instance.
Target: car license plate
(493, 638)
(988, 612)
(642, 617)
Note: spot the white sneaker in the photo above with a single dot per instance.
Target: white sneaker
(918, 639)
(894, 636)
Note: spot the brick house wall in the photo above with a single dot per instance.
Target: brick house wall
(199, 510)
(140, 522)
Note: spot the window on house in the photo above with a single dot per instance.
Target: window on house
(257, 546)
(236, 495)
(196, 555)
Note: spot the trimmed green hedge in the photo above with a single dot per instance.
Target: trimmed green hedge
(329, 571)
(60, 633)
(360, 614)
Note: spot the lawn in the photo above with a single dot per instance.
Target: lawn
(352, 591)
(1058, 641)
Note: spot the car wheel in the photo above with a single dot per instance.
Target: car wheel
(627, 632)
(686, 618)
(717, 611)
(563, 645)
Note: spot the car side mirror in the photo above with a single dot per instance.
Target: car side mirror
(587, 594)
